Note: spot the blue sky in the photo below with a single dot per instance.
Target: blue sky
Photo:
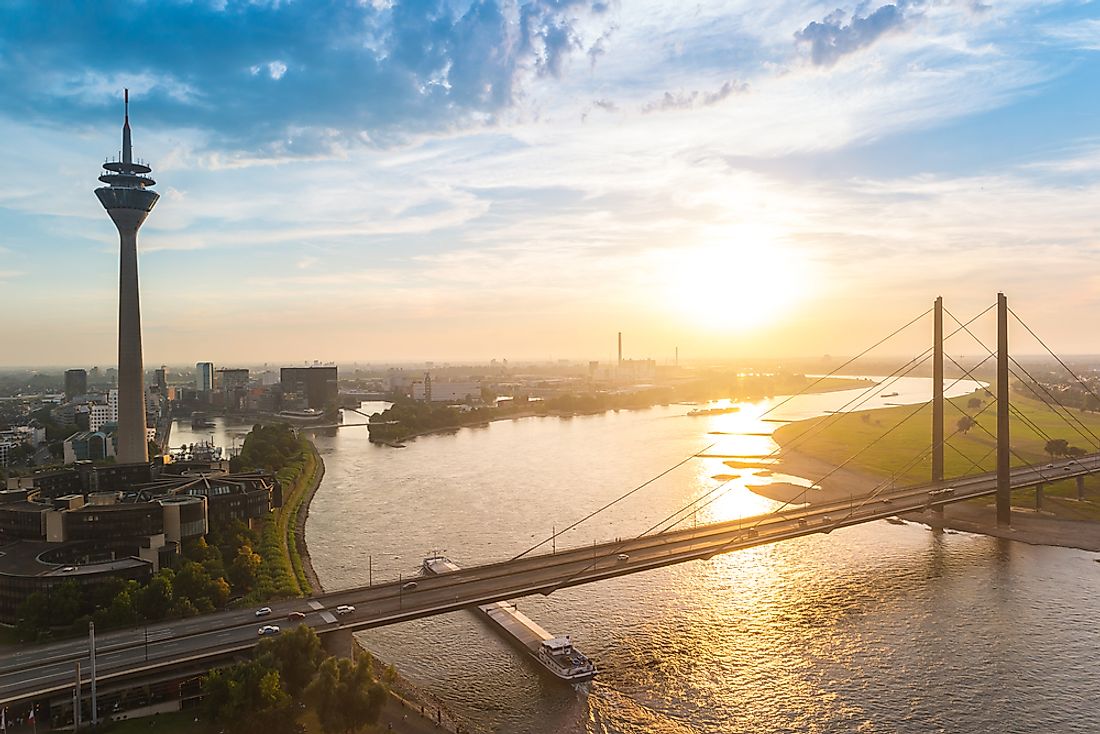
(385, 180)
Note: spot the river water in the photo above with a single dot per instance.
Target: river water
(874, 628)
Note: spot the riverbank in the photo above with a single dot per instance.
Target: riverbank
(485, 417)
(410, 709)
(300, 518)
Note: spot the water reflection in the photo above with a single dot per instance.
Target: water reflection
(875, 628)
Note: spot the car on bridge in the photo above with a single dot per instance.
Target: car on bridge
(409, 585)
(295, 616)
(622, 557)
(345, 609)
(945, 492)
(268, 629)
(263, 611)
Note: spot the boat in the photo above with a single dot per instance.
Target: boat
(888, 395)
(714, 411)
(556, 654)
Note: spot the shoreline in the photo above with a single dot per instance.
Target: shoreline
(1028, 526)
(857, 384)
(404, 694)
(300, 522)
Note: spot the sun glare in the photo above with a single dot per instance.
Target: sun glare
(744, 283)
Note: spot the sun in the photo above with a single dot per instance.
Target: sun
(744, 282)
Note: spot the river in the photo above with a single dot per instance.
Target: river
(873, 628)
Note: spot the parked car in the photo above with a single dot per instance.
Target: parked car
(268, 629)
(263, 611)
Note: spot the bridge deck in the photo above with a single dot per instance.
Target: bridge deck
(46, 670)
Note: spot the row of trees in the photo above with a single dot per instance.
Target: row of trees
(286, 674)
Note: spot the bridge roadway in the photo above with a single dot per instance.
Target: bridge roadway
(47, 670)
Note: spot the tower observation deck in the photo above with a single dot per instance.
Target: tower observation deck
(128, 200)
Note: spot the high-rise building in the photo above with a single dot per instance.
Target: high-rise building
(76, 383)
(204, 376)
(128, 201)
(161, 376)
(309, 387)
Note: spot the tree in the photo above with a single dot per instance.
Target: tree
(965, 423)
(248, 698)
(1075, 451)
(1056, 447)
(296, 655)
(245, 568)
(974, 403)
(156, 598)
(346, 695)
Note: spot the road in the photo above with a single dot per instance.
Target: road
(35, 672)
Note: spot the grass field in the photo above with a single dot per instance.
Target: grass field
(896, 442)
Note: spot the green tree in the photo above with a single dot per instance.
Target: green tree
(245, 568)
(345, 695)
(295, 654)
(1056, 447)
(155, 600)
(965, 423)
(248, 698)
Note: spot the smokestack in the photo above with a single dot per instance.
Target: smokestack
(620, 349)
(677, 362)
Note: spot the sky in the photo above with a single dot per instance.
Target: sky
(395, 181)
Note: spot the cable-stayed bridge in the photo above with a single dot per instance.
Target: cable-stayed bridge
(166, 651)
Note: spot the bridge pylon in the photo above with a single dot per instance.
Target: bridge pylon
(1004, 484)
(937, 394)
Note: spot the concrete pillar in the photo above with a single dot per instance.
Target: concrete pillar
(1039, 497)
(1081, 488)
(937, 394)
(339, 643)
(1004, 488)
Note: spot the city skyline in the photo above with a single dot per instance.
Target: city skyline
(523, 181)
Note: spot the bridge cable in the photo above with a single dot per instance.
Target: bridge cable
(817, 427)
(1081, 382)
(788, 502)
(1095, 439)
(686, 459)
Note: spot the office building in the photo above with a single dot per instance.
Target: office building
(76, 383)
(309, 387)
(204, 377)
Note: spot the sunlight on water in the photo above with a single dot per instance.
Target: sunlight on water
(874, 628)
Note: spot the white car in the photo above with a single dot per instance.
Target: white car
(268, 629)
(263, 611)
(623, 557)
(409, 585)
(345, 609)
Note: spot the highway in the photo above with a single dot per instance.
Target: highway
(40, 671)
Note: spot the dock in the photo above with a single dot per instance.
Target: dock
(525, 632)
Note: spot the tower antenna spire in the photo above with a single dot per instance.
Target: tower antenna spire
(127, 150)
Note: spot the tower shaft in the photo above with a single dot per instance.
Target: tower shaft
(132, 443)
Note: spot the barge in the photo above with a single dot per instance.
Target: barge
(556, 654)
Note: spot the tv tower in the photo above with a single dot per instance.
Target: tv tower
(128, 200)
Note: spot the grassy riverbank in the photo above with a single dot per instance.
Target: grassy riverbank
(298, 467)
(887, 445)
